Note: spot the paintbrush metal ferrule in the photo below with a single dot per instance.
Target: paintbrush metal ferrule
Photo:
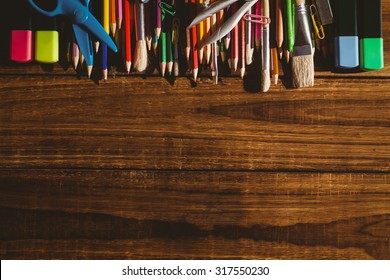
(302, 56)
(303, 42)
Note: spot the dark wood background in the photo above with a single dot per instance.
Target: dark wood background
(145, 168)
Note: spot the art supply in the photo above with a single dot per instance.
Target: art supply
(21, 48)
(83, 22)
(370, 34)
(194, 44)
(248, 40)
(113, 17)
(265, 50)
(201, 32)
(175, 42)
(290, 26)
(302, 56)
(229, 24)
(104, 61)
(169, 53)
(279, 26)
(141, 51)
(106, 26)
(325, 11)
(157, 30)
(275, 65)
(242, 47)
(46, 40)
(119, 14)
(148, 24)
(127, 16)
(75, 54)
(235, 39)
(214, 64)
(258, 26)
(346, 39)
(163, 44)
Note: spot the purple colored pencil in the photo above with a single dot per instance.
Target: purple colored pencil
(119, 13)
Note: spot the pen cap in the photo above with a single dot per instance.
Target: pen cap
(346, 39)
(21, 49)
(21, 35)
(346, 18)
(370, 33)
(46, 39)
(46, 46)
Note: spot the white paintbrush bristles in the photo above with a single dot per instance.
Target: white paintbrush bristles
(140, 56)
(303, 71)
(265, 80)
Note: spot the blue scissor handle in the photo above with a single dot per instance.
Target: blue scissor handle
(72, 8)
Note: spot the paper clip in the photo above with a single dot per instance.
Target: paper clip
(166, 8)
(257, 19)
(319, 29)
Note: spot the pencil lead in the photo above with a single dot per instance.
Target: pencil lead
(128, 66)
(89, 71)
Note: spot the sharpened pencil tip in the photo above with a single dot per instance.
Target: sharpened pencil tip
(89, 70)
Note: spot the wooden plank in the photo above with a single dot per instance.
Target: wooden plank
(166, 127)
(346, 215)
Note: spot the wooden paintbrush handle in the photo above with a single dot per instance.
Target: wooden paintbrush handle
(298, 2)
(266, 8)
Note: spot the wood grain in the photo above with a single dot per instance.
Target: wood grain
(142, 167)
(261, 215)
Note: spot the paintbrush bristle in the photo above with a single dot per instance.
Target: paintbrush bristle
(140, 56)
(265, 80)
(303, 71)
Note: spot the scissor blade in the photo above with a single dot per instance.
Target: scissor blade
(210, 10)
(97, 29)
(229, 24)
(85, 44)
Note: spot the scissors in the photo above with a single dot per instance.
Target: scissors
(82, 21)
(229, 23)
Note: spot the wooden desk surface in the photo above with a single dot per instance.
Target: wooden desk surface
(137, 168)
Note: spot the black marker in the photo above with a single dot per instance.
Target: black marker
(370, 33)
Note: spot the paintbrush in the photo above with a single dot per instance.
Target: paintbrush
(265, 53)
(302, 56)
(140, 52)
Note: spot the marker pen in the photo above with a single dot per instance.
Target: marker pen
(21, 47)
(370, 35)
(346, 39)
(46, 39)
